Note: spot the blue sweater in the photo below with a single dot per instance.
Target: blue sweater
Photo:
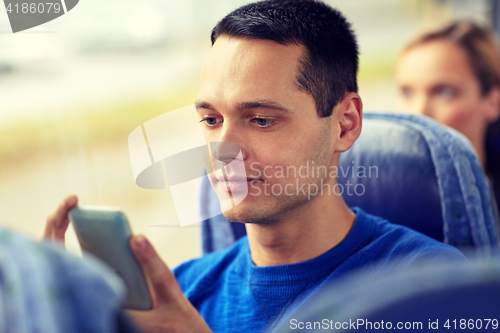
(234, 295)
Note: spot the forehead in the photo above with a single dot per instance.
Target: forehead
(435, 61)
(250, 68)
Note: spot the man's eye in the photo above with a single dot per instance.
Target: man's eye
(262, 122)
(211, 121)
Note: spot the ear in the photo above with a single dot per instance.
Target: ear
(492, 112)
(349, 119)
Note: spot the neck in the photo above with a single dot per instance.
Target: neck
(301, 234)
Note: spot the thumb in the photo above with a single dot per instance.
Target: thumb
(163, 282)
(57, 223)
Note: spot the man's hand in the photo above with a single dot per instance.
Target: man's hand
(58, 221)
(171, 312)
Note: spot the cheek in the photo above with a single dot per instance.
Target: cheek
(403, 104)
(210, 135)
(461, 115)
(414, 105)
(280, 164)
(290, 147)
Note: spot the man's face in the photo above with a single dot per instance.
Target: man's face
(249, 96)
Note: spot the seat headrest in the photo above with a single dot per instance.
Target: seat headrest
(389, 172)
(414, 172)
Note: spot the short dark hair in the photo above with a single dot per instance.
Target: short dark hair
(329, 67)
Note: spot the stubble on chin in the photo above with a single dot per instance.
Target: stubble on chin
(271, 210)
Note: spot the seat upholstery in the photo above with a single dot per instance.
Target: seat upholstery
(462, 296)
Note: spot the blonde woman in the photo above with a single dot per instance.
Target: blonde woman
(452, 74)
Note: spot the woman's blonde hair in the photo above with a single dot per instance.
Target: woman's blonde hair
(478, 42)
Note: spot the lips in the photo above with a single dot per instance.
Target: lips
(233, 178)
(239, 186)
(235, 184)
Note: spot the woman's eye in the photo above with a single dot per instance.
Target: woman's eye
(446, 92)
(406, 92)
(263, 122)
(211, 121)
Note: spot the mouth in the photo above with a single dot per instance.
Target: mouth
(237, 184)
(235, 178)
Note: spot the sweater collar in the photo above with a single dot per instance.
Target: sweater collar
(315, 268)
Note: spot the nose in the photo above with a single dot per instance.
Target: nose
(226, 152)
(230, 143)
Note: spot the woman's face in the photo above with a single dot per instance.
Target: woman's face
(436, 80)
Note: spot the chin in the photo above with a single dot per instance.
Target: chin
(262, 209)
(251, 213)
(239, 214)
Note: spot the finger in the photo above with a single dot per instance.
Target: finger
(58, 221)
(143, 319)
(163, 282)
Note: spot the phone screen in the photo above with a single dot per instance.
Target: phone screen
(105, 233)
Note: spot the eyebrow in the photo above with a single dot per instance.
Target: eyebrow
(258, 104)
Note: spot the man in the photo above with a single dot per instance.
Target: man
(280, 82)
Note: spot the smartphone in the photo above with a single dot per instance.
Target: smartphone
(105, 232)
